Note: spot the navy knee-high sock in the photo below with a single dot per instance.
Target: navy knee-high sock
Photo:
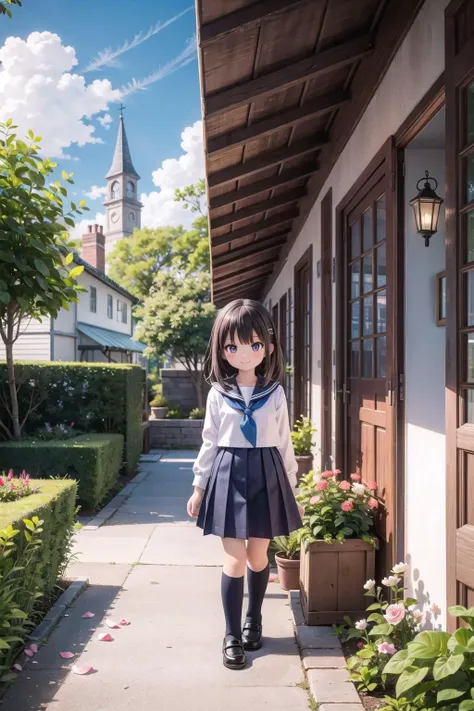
(257, 584)
(232, 590)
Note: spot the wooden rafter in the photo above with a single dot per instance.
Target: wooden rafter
(291, 117)
(268, 256)
(257, 282)
(264, 206)
(280, 219)
(246, 276)
(232, 255)
(317, 65)
(262, 186)
(268, 160)
(244, 17)
(250, 290)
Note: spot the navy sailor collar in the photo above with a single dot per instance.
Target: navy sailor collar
(233, 391)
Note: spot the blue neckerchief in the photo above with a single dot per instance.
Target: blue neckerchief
(234, 398)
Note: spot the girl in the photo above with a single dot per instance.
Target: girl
(242, 489)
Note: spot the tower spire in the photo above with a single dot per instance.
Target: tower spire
(122, 161)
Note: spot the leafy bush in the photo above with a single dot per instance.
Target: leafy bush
(288, 546)
(94, 461)
(336, 510)
(57, 432)
(174, 413)
(197, 414)
(302, 437)
(12, 489)
(159, 401)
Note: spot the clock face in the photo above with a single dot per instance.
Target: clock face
(131, 217)
(114, 216)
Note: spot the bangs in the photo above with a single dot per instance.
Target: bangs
(245, 323)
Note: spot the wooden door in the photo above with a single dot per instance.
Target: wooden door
(460, 301)
(303, 329)
(275, 318)
(367, 377)
(326, 329)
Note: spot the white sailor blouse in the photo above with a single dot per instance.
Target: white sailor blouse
(232, 422)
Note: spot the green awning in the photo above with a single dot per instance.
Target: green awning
(110, 339)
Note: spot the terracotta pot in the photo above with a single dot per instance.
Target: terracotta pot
(288, 572)
(159, 413)
(305, 464)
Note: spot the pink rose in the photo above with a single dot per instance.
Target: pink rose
(373, 503)
(337, 472)
(372, 485)
(315, 500)
(347, 506)
(355, 477)
(322, 486)
(395, 613)
(360, 645)
(344, 485)
(327, 474)
(386, 648)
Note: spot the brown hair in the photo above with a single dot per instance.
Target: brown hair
(243, 317)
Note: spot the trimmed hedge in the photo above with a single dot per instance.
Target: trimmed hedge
(96, 397)
(94, 461)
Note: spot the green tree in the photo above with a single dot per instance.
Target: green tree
(35, 281)
(176, 320)
(5, 6)
(193, 198)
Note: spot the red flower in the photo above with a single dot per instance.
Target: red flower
(327, 474)
(347, 506)
(355, 477)
(372, 485)
(373, 503)
(2, 483)
(322, 486)
(360, 645)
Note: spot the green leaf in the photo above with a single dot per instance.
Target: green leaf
(446, 666)
(467, 705)
(3, 644)
(76, 271)
(398, 663)
(374, 606)
(381, 630)
(410, 678)
(460, 611)
(376, 617)
(460, 639)
(18, 614)
(429, 645)
(41, 267)
(5, 297)
(448, 695)
(69, 258)
(409, 601)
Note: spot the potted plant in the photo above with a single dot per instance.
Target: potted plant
(159, 407)
(302, 438)
(287, 558)
(338, 546)
(198, 413)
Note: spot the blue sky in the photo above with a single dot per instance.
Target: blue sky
(154, 118)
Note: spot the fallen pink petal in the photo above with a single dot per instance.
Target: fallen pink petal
(34, 648)
(81, 671)
(113, 625)
(105, 637)
(88, 615)
(124, 622)
(18, 667)
(66, 655)
(28, 652)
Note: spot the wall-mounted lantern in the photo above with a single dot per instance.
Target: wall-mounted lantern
(426, 206)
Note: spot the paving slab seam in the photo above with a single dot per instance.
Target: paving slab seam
(323, 663)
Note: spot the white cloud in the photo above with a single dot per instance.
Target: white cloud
(159, 207)
(96, 192)
(81, 226)
(105, 121)
(38, 90)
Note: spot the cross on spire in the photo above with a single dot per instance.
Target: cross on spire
(121, 108)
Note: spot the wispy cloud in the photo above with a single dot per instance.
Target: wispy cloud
(185, 57)
(108, 57)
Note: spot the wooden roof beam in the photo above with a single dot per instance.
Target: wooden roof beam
(315, 66)
(229, 291)
(223, 297)
(266, 256)
(268, 160)
(277, 240)
(247, 275)
(262, 186)
(292, 117)
(264, 206)
(280, 219)
(244, 17)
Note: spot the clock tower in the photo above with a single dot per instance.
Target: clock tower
(123, 209)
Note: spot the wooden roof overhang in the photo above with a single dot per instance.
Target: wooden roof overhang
(283, 85)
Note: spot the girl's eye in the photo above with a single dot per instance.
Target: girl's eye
(231, 348)
(257, 346)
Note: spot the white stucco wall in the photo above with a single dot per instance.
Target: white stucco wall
(425, 468)
(100, 318)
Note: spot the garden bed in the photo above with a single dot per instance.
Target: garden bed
(370, 702)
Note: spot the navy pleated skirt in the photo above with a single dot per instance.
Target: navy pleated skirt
(248, 495)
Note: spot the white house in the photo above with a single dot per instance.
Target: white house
(321, 119)
(99, 328)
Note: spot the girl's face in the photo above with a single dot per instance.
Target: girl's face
(245, 356)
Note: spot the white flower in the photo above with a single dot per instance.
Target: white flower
(370, 585)
(361, 625)
(358, 489)
(400, 568)
(391, 581)
(417, 616)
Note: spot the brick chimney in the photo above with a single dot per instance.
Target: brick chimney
(93, 247)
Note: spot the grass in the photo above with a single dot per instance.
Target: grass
(313, 704)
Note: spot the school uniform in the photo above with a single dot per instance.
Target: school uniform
(246, 464)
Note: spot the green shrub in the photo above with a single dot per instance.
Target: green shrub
(159, 401)
(302, 436)
(35, 543)
(197, 414)
(96, 397)
(94, 461)
(175, 413)
(289, 547)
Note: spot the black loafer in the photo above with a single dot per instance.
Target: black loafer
(233, 654)
(252, 636)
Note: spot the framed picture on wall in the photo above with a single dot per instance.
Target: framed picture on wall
(441, 299)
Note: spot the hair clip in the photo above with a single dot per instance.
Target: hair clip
(270, 331)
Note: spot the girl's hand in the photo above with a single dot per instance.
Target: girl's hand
(300, 509)
(194, 504)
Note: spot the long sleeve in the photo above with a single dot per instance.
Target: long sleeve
(203, 464)
(286, 445)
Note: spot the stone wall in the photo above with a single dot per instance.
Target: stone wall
(178, 388)
(175, 434)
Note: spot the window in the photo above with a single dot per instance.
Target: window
(93, 299)
(122, 314)
(115, 190)
(130, 189)
(110, 306)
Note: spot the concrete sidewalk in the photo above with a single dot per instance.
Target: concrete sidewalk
(150, 565)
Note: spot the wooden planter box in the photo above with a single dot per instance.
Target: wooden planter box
(332, 576)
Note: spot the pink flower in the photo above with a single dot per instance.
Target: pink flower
(360, 645)
(344, 485)
(337, 472)
(12, 487)
(10, 475)
(2, 483)
(315, 500)
(322, 486)
(373, 503)
(395, 613)
(355, 477)
(347, 506)
(386, 648)
(327, 474)
(372, 485)
(434, 609)
(72, 424)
